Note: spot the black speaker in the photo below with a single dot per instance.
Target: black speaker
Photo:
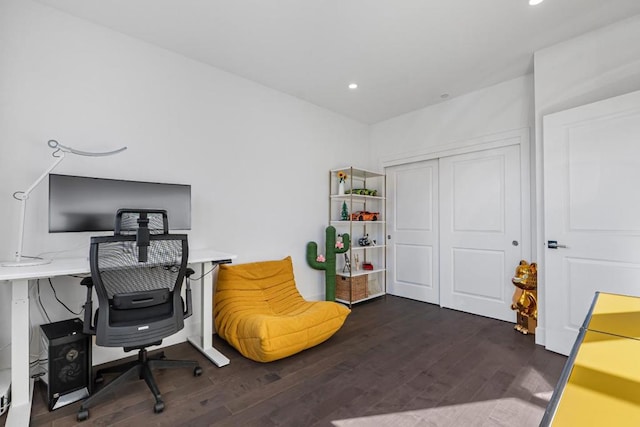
(68, 366)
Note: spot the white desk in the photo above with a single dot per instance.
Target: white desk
(19, 277)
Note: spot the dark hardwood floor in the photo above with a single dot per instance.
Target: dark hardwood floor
(396, 362)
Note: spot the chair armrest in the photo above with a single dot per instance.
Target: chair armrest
(189, 307)
(87, 327)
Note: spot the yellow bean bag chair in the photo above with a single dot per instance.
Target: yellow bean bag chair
(259, 311)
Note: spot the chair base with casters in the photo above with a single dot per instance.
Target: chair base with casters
(137, 369)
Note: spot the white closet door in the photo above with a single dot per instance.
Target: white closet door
(412, 192)
(592, 206)
(480, 230)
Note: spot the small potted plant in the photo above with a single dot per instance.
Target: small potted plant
(344, 214)
(342, 178)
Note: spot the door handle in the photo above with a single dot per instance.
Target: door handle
(553, 244)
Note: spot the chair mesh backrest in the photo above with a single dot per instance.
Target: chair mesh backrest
(129, 223)
(120, 271)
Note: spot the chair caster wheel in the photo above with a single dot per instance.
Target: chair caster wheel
(83, 414)
(197, 371)
(158, 407)
(99, 379)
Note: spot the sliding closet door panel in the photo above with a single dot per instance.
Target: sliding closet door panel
(480, 230)
(413, 268)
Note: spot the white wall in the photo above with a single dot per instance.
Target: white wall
(503, 107)
(595, 66)
(257, 159)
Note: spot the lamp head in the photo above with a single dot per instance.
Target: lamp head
(64, 149)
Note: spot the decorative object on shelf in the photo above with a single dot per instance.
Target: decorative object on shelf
(347, 264)
(357, 260)
(329, 266)
(364, 241)
(342, 178)
(352, 288)
(344, 214)
(362, 192)
(367, 266)
(365, 216)
(525, 297)
(22, 196)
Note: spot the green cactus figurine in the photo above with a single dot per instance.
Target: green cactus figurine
(329, 265)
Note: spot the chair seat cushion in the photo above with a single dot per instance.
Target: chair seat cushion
(259, 311)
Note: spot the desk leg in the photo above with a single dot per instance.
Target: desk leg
(21, 383)
(204, 342)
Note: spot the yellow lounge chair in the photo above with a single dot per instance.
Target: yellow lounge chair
(259, 311)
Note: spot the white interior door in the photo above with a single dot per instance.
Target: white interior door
(412, 192)
(592, 206)
(480, 230)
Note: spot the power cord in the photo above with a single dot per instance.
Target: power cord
(36, 362)
(215, 266)
(30, 257)
(63, 304)
(40, 301)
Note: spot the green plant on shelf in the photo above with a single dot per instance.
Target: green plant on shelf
(344, 215)
(362, 192)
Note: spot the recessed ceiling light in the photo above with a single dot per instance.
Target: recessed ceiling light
(535, 2)
(353, 86)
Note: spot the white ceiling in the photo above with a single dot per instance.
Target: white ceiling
(404, 54)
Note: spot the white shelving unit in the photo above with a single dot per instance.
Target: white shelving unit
(358, 284)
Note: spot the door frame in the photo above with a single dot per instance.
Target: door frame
(519, 137)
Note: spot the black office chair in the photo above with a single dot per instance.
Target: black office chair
(138, 274)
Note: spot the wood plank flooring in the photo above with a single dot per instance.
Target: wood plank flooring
(396, 362)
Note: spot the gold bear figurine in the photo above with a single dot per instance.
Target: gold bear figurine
(525, 298)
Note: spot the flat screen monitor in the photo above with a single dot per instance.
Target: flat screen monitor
(79, 203)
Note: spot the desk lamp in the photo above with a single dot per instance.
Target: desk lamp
(59, 154)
